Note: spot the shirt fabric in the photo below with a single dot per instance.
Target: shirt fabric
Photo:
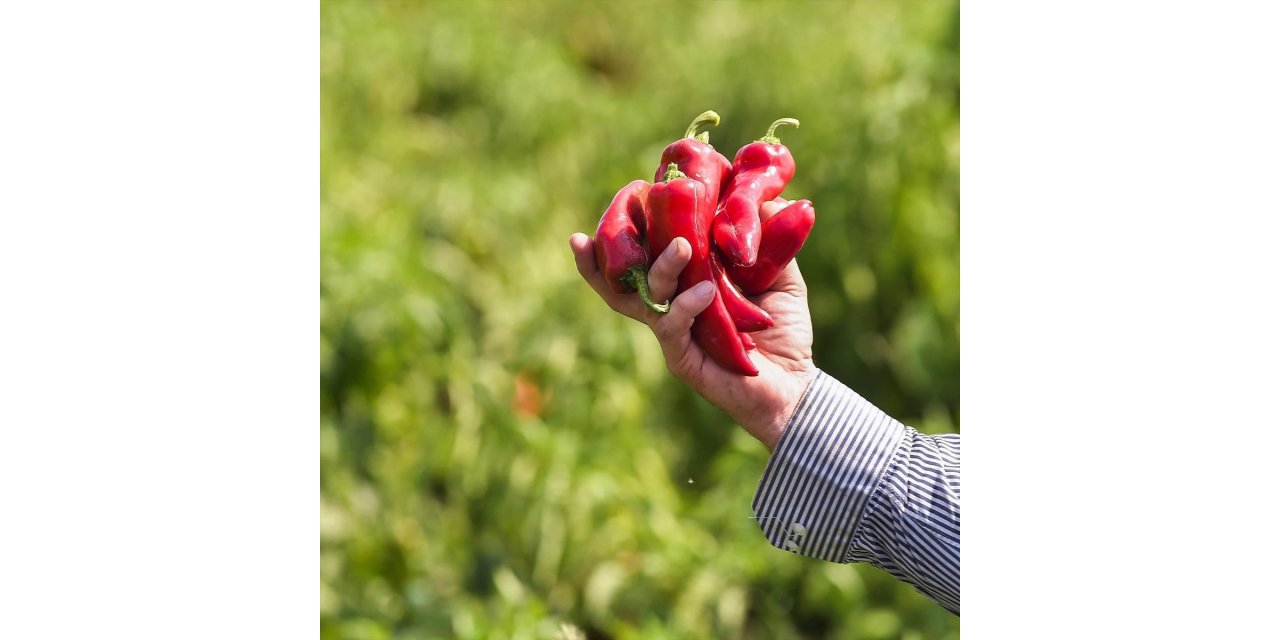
(847, 483)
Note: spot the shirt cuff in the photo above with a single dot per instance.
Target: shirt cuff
(825, 469)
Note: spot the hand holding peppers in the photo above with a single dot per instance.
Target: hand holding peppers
(739, 242)
(783, 354)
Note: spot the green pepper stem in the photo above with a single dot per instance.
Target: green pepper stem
(673, 173)
(705, 117)
(638, 278)
(772, 139)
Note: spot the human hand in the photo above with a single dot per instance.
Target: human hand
(784, 353)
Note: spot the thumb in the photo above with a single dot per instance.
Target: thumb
(672, 328)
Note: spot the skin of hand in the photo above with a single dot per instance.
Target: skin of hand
(784, 353)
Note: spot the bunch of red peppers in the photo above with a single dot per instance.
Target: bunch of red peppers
(716, 206)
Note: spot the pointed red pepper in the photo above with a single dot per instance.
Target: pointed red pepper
(694, 156)
(747, 317)
(619, 244)
(677, 208)
(781, 238)
(761, 170)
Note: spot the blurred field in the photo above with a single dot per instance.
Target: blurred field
(501, 454)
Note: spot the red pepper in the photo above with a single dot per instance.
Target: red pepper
(781, 238)
(619, 244)
(747, 317)
(761, 170)
(677, 208)
(694, 156)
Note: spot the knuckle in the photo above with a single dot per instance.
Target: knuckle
(660, 276)
(667, 332)
(660, 331)
(684, 307)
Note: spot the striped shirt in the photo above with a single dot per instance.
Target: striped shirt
(847, 483)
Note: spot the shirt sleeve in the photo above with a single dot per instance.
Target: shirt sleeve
(847, 483)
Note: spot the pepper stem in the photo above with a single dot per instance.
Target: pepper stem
(673, 173)
(638, 278)
(772, 139)
(705, 117)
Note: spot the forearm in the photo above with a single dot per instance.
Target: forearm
(847, 483)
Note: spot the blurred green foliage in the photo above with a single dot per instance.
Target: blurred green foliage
(502, 456)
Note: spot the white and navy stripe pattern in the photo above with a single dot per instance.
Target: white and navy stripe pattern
(847, 483)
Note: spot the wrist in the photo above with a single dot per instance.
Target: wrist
(771, 430)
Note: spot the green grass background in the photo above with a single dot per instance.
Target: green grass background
(461, 144)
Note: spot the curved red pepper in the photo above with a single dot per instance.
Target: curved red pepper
(761, 170)
(781, 238)
(677, 208)
(694, 156)
(620, 253)
(747, 317)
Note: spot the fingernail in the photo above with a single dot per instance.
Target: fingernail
(670, 251)
(703, 290)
